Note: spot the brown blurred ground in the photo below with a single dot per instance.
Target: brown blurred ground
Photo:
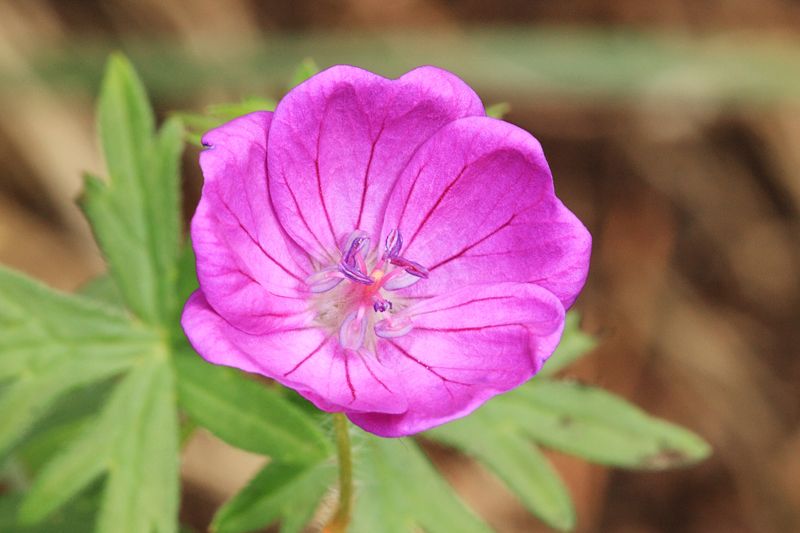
(693, 206)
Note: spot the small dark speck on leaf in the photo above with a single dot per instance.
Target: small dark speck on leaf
(666, 458)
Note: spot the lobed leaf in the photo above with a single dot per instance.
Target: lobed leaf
(53, 343)
(134, 441)
(247, 414)
(399, 491)
(141, 491)
(286, 492)
(136, 216)
(496, 440)
(599, 426)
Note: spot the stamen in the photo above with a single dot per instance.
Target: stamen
(413, 268)
(353, 329)
(353, 303)
(381, 305)
(397, 279)
(352, 264)
(394, 243)
(408, 272)
(324, 280)
(393, 326)
(354, 274)
(357, 241)
(400, 280)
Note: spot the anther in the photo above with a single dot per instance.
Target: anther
(412, 267)
(357, 241)
(381, 306)
(394, 243)
(354, 274)
(352, 264)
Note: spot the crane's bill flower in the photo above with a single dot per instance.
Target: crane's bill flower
(382, 247)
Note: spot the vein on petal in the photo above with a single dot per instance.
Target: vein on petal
(256, 241)
(309, 356)
(465, 249)
(436, 205)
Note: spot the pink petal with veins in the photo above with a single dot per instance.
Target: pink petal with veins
(298, 355)
(248, 269)
(476, 205)
(340, 139)
(465, 347)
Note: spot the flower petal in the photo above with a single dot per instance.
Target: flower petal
(298, 355)
(466, 347)
(476, 205)
(248, 268)
(339, 141)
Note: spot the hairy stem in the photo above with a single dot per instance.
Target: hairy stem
(341, 519)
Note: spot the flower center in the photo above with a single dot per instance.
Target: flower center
(351, 296)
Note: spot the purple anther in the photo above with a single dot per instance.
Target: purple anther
(394, 243)
(381, 306)
(412, 267)
(353, 273)
(357, 241)
(352, 264)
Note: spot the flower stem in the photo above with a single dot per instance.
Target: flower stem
(341, 519)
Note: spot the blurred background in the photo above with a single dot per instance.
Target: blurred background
(672, 129)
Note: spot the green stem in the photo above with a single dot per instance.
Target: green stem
(341, 519)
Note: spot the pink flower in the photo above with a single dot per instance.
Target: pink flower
(382, 247)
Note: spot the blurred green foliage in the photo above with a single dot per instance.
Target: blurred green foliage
(579, 63)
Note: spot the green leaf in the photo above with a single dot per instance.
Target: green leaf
(67, 419)
(185, 285)
(599, 426)
(498, 110)
(82, 461)
(497, 441)
(399, 491)
(103, 289)
(40, 447)
(198, 124)
(187, 275)
(77, 518)
(307, 68)
(52, 343)
(134, 440)
(247, 414)
(289, 493)
(574, 345)
(230, 111)
(141, 492)
(136, 217)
